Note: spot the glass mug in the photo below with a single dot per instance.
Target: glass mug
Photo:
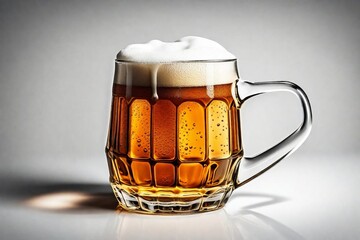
(178, 148)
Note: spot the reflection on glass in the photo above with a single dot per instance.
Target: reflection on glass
(239, 222)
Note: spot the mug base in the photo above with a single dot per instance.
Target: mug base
(153, 200)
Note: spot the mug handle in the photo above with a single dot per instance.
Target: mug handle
(251, 167)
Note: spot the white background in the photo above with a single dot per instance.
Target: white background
(57, 65)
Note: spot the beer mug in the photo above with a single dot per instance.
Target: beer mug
(174, 141)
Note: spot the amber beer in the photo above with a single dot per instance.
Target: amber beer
(183, 142)
(176, 151)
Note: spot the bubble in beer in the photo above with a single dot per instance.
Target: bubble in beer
(140, 128)
(218, 130)
(191, 126)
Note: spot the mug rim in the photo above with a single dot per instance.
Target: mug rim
(182, 61)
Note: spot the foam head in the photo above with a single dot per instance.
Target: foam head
(190, 61)
(186, 49)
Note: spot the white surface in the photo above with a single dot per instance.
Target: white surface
(300, 198)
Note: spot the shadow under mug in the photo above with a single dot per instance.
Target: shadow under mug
(174, 141)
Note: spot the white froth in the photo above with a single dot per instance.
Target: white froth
(186, 49)
(188, 62)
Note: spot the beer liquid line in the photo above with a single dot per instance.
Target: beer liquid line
(153, 69)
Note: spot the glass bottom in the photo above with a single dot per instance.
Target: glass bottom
(153, 200)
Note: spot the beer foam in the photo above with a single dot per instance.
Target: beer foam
(188, 62)
(188, 48)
